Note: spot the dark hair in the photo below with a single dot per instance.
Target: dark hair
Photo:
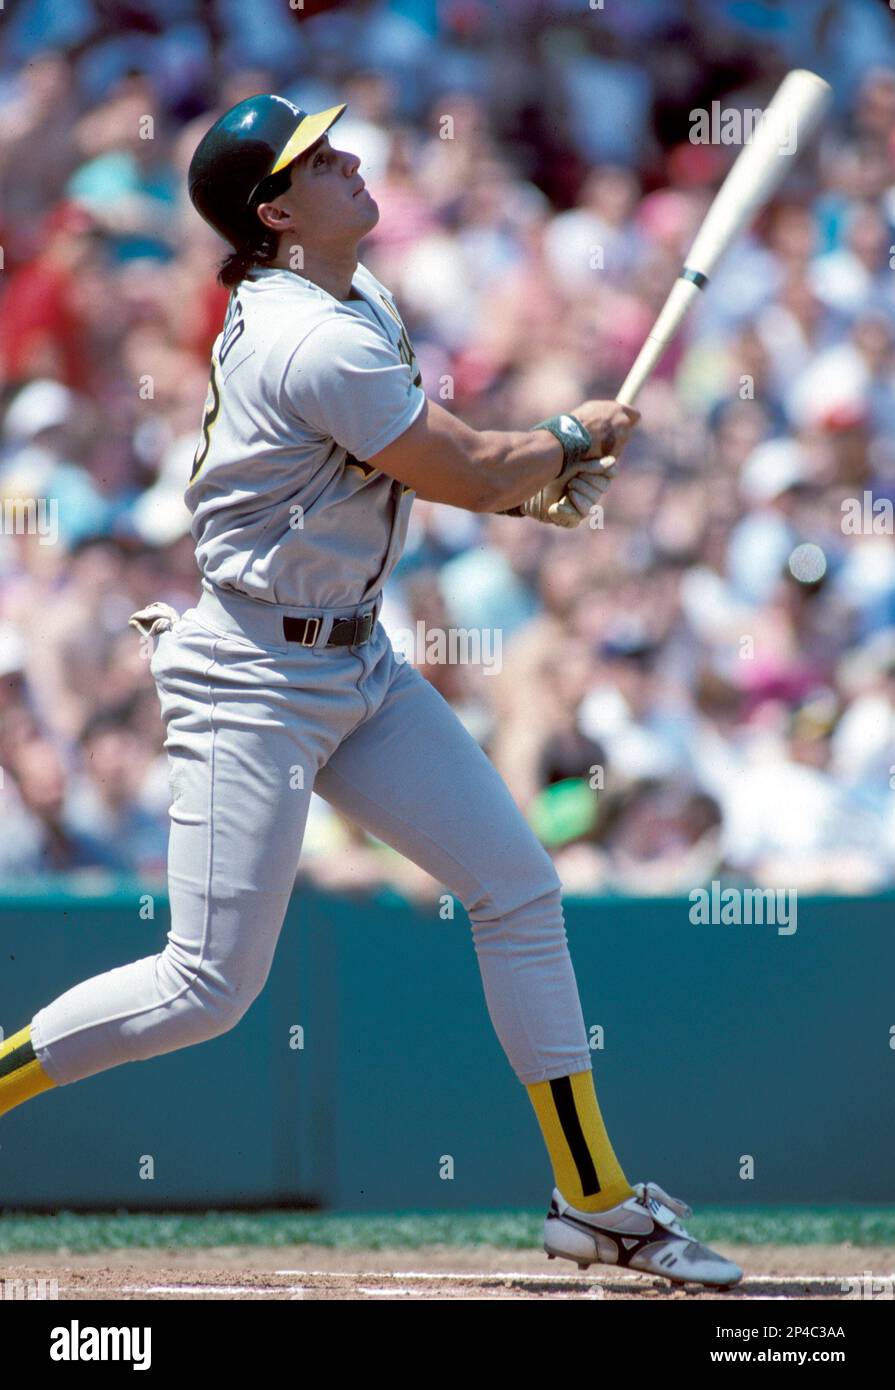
(109, 719)
(260, 246)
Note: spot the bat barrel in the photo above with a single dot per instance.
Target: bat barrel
(785, 128)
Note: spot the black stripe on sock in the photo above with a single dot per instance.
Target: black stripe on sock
(19, 1057)
(564, 1100)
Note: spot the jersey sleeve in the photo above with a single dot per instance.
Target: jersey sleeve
(348, 382)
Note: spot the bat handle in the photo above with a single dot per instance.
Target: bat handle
(631, 386)
(675, 309)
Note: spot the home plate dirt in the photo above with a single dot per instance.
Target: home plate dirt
(430, 1272)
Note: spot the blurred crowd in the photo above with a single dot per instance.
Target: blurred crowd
(700, 684)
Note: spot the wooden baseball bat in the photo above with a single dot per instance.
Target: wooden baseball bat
(761, 166)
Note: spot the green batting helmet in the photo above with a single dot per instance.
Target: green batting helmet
(254, 139)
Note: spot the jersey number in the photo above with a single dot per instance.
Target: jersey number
(210, 414)
(234, 327)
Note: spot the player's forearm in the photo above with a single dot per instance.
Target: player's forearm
(444, 460)
(515, 464)
(491, 470)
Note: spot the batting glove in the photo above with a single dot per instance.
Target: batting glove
(568, 499)
(582, 492)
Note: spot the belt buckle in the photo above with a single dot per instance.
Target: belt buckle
(304, 640)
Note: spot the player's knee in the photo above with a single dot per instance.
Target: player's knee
(211, 1015)
(529, 890)
(209, 1000)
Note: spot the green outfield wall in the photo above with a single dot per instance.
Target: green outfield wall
(367, 1075)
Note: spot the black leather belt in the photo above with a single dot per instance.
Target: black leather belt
(346, 632)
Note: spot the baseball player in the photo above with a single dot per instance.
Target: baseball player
(316, 437)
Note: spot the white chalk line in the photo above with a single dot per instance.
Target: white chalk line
(636, 1278)
(383, 1289)
(209, 1288)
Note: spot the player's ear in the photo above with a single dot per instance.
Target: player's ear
(278, 219)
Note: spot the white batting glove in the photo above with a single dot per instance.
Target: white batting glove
(567, 500)
(582, 492)
(548, 505)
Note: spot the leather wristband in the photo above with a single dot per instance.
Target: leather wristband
(573, 436)
(575, 440)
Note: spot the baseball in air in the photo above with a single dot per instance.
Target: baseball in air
(808, 563)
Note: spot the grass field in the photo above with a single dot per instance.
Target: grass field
(791, 1253)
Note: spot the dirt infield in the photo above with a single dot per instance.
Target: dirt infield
(430, 1272)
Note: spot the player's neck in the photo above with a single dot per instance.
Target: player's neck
(332, 271)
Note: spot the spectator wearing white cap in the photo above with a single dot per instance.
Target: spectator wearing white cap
(762, 541)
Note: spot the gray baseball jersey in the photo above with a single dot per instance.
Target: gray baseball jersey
(304, 389)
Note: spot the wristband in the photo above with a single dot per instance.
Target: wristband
(572, 435)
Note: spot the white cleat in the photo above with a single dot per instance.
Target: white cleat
(643, 1233)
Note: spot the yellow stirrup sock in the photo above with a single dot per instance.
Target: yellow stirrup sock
(21, 1075)
(585, 1168)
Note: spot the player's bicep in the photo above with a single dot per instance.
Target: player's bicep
(348, 383)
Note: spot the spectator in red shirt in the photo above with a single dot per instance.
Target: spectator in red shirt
(41, 327)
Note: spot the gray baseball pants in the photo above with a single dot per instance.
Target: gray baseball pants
(254, 724)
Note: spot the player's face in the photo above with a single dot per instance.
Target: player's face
(327, 200)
